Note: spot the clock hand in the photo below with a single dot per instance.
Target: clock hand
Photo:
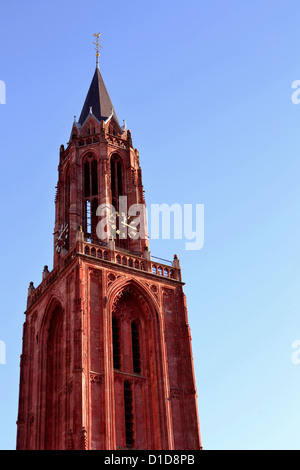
(128, 225)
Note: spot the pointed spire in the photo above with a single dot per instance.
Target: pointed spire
(97, 101)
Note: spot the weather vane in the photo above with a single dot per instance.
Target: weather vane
(97, 47)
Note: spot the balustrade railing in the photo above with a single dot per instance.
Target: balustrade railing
(105, 253)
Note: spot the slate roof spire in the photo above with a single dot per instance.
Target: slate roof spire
(98, 99)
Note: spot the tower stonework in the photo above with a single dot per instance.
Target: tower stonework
(106, 358)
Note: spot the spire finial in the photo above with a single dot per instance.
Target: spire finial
(97, 35)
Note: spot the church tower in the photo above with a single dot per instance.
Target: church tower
(106, 357)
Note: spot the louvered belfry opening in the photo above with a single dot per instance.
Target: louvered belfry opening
(90, 183)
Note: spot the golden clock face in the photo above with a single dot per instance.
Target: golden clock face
(62, 236)
(124, 227)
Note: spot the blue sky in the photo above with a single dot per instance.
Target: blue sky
(205, 87)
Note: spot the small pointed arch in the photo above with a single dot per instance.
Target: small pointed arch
(113, 124)
(54, 303)
(90, 175)
(142, 294)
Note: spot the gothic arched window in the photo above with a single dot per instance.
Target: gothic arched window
(117, 188)
(55, 379)
(67, 204)
(90, 178)
(90, 189)
(136, 357)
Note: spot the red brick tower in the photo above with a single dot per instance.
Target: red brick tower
(107, 359)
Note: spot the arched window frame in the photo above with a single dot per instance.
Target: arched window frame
(67, 203)
(117, 179)
(53, 375)
(90, 195)
(138, 308)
